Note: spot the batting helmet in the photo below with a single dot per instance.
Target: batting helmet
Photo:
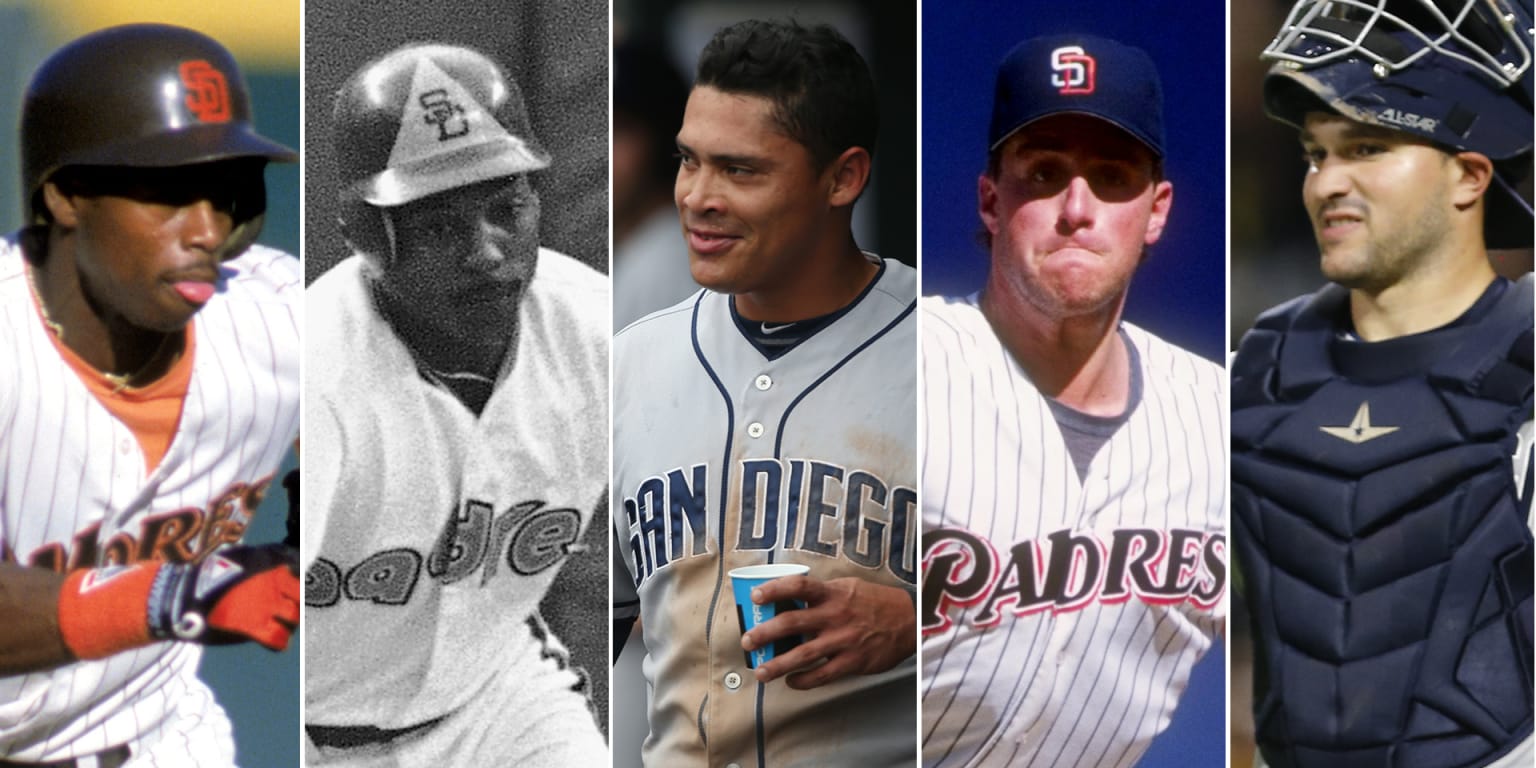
(1455, 72)
(143, 95)
(420, 120)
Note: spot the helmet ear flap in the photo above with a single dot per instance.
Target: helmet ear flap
(364, 228)
(250, 213)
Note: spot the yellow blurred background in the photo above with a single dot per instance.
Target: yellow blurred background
(261, 35)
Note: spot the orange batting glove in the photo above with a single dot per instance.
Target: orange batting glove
(234, 595)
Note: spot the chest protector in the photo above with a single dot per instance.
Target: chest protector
(1382, 535)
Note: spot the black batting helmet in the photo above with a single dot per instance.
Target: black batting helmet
(148, 96)
(1457, 73)
(420, 120)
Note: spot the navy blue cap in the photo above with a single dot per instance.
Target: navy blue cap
(1081, 74)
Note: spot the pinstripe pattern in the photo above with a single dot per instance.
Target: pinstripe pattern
(73, 488)
(1084, 682)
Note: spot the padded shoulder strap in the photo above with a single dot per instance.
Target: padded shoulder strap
(1496, 363)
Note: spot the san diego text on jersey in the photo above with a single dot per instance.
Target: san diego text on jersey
(801, 505)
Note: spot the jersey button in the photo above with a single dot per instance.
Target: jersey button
(755, 429)
(124, 447)
(763, 382)
(732, 765)
(732, 680)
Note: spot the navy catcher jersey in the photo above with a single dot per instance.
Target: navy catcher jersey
(725, 458)
(1381, 516)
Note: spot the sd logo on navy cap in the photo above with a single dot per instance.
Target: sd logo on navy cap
(1082, 74)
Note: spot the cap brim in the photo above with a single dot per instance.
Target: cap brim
(439, 173)
(1128, 131)
(190, 146)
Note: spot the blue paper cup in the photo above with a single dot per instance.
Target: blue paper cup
(749, 614)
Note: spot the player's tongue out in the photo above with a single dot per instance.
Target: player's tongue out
(194, 291)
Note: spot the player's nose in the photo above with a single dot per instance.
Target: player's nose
(482, 252)
(203, 226)
(1077, 204)
(1328, 179)
(696, 190)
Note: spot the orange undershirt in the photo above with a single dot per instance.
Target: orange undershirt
(153, 411)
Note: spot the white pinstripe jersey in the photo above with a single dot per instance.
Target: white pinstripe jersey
(724, 458)
(73, 492)
(435, 533)
(1061, 617)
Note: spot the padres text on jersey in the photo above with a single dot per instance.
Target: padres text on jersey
(1060, 611)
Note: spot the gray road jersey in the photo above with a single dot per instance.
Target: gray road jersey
(723, 458)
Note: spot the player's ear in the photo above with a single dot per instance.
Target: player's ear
(849, 173)
(1473, 173)
(1162, 202)
(61, 207)
(986, 203)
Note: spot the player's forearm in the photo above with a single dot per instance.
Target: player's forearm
(30, 640)
(53, 619)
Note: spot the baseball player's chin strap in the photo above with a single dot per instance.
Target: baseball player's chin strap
(233, 595)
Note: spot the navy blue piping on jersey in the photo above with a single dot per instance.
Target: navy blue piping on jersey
(725, 476)
(826, 321)
(762, 754)
(778, 441)
(778, 445)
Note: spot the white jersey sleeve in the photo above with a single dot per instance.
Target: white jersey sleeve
(1062, 616)
(75, 493)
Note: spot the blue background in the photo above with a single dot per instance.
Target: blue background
(1179, 293)
(1180, 290)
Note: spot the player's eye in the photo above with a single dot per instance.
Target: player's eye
(1367, 149)
(1313, 156)
(737, 170)
(685, 160)
(1046, 172)
(1112, 175)
(439, 226)
(507, 211)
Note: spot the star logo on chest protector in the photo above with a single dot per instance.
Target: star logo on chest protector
(1360, 428)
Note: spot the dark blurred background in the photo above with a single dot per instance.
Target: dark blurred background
(258, 689)
(1274, 254)
(885, 33)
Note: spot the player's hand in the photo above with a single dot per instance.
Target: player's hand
(857, 627)
(233, 595)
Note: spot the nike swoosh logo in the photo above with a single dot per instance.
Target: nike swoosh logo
(1360, 428)
(767, 331)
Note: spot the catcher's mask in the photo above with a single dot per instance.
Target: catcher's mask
(1454, 72)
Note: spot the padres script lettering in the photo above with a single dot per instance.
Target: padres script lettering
(786, 504)
(1067, 570)
(527, 537)
(184, 535)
